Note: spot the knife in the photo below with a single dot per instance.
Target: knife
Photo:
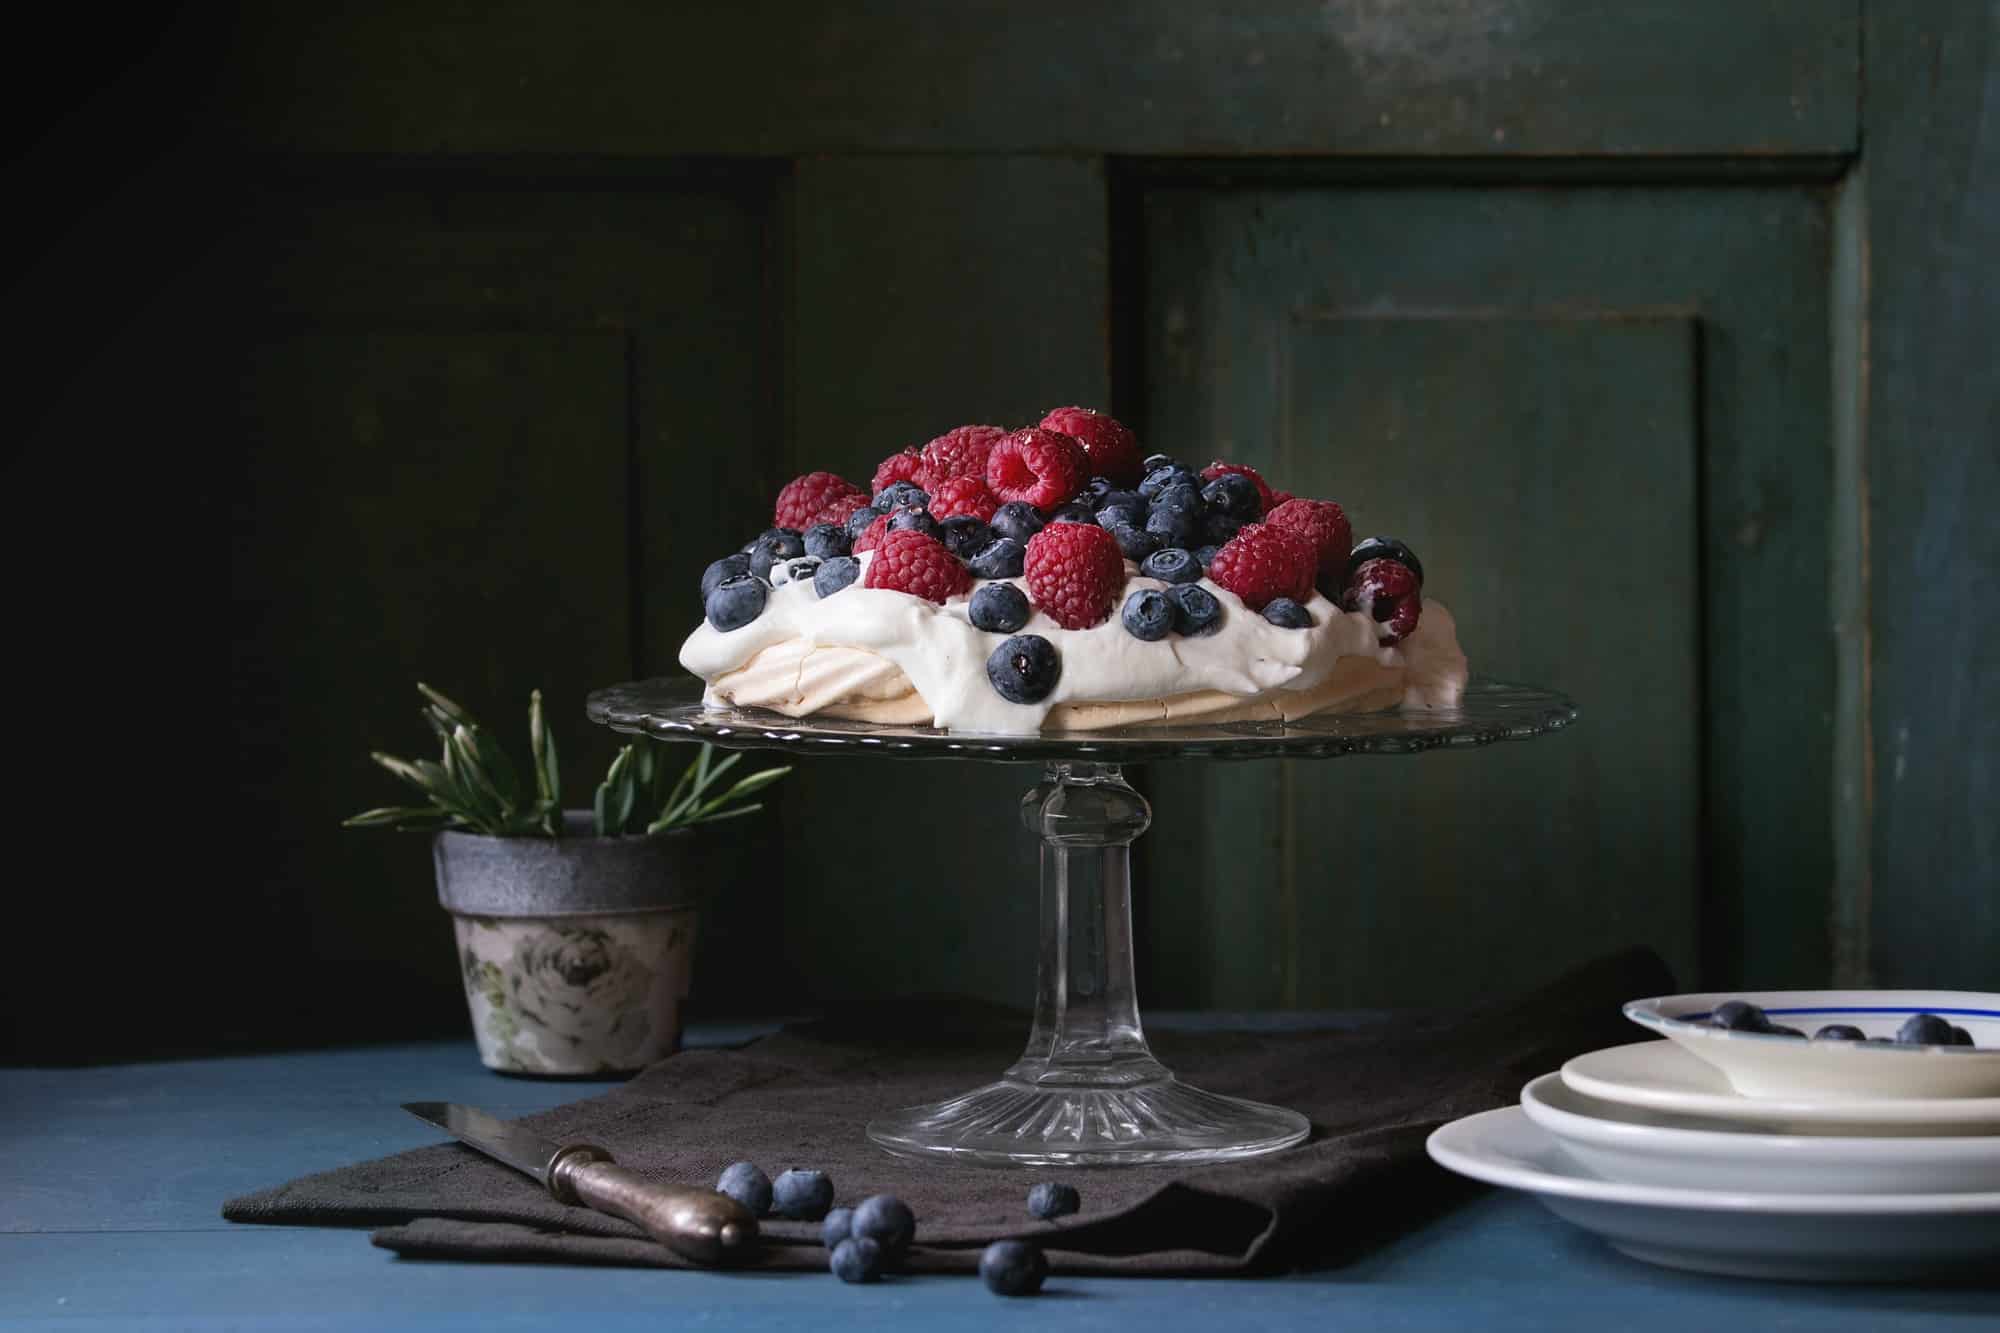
(702, 1225)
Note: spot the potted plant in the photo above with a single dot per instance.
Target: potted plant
(575, 928)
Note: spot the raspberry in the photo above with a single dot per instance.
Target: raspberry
(963, 495)
(805, 496)
(1325, 525)
(918, 565)
(1218, 467)
(837, 512)
(1262, 562)
(1387, 592)
(1075, 572)
(1109, 445)
(1278, 498)
(872, 536)
(908, 465)
(958, 453)
(1042, 467)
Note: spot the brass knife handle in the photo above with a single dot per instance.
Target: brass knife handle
(698, 1224)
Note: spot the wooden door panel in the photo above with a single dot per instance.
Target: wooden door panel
(1600, 415)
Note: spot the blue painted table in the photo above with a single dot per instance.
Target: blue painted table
(111, 1180)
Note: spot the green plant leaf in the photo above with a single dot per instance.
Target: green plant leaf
(432, 784)
(398, 815)
(499, 769)
(478, 801)
(457, 716)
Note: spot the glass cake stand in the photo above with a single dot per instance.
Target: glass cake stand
(1087, 1090)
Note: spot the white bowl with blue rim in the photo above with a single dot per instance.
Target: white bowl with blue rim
(1764, 1064)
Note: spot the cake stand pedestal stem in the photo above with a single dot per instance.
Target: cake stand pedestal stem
(1086, 1090)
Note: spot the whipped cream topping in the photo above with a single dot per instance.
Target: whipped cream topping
(944, 657)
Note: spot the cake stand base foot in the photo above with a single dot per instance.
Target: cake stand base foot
(1011, 1123)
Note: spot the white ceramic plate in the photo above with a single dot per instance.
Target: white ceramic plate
(1661, 1076)
(1820, 1237)
(1759, 1064)
(1658, 1148)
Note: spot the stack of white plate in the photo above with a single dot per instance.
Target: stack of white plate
(1763, 1155)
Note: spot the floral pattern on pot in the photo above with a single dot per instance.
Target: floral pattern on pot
(576, 994)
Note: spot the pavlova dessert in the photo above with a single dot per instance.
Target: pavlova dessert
(1054, 579)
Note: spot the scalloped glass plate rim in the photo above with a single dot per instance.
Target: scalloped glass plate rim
(670, 708)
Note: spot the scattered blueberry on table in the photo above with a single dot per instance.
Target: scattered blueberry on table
(888, 1222)
(1013, 1268)
(802, 1195)
(743, 1182)
(836, 1227)
(856, 1259)
(1052, 1199)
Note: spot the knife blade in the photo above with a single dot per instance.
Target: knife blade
(702, 1225)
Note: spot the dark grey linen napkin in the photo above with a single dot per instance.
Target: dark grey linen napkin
(801, 1096)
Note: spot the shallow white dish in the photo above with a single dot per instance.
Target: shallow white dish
(1661, 1076)
(1761, 1064)
(1820, 1237)
(1657, 1148)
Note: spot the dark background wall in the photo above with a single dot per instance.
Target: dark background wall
(398, 345)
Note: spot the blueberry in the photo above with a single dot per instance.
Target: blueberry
(836, 1227)
(1287, 614)
(1094, 491)
(1182, 497)
(887, 1221)
(836, 574)
(1385, 548)
(1050, 1199)
(858, 522)
(802, 1195)
(1148, 615)
(743, 1182)
(1233, 494)
(1001, 558)
(1196, 612)
(775, 545)
(1170, 564)
(1135, 543)
(965, 535)
(898, 494)
(1219, 528)
(1121, 500)
(999, 607)
(1024, 669)
(726, 568)
(1076, 511)
(1017, 519)
(1780, 1030)
(1960, 1037)
(1204, 555)
(913, 520)
(736, 602)
(827, 540)
(1738, 1016)
(1154, 462)
(1114, 517)
(856, 1259)
(1013, 1268)
(1840, 1032)
(1924, 1030)
(1173, 527)
(1165, 475)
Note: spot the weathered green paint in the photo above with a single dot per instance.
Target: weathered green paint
(1234, 275)
(929, 293)
(1933, 459)
(1507, 78)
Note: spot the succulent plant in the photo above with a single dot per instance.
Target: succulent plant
(473, 785)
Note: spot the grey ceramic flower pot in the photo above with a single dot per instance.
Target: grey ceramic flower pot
(576, 952)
